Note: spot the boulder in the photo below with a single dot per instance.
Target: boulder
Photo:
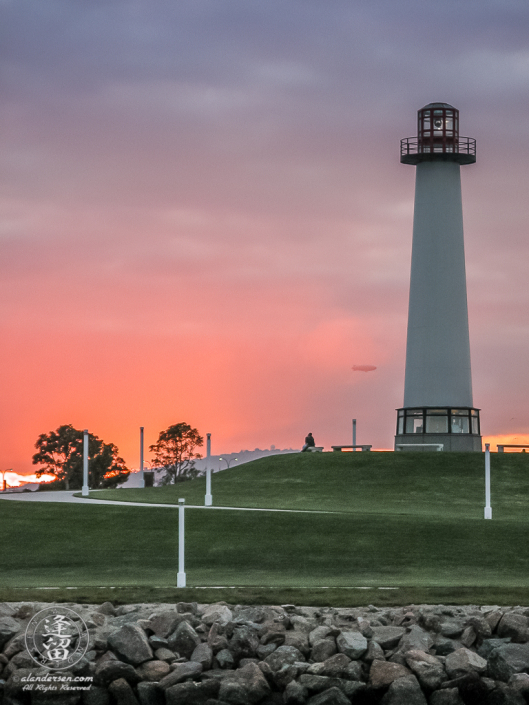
(192, 693)
(464, 661)
(153, 670)
(449, 696)
(295, 694)
(181, 672)
(203, 655)
(164, 623)
(282, 655)
(323, 649)
(225, 659)
(388, 637)
(383, 673)
(514, 626)
(131, 644)
(508, 659)
(149, 694)
(122, 692)
(8, 628)
(217, 613)
(428, 669)
(352, 644)
(244, 642)
(416, 638)
(504, 695)
(404, 691)
(184, 639)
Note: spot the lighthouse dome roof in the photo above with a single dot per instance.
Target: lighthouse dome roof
(438, 105)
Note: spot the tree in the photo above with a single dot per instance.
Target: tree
(60, 453)
(174, 453)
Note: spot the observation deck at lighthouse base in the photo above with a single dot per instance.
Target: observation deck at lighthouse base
(458, 429)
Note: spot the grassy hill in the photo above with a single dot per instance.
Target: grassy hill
(432, 484)
(413, 522)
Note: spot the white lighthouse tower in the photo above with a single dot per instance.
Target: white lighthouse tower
(438, 405)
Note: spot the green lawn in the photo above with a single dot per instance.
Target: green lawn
(443, 484)
(394, 520)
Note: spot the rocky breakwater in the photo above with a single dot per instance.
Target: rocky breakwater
(218, 654)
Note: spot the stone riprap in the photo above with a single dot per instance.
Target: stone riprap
(221, 654)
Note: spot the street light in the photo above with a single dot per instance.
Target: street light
(227, 461)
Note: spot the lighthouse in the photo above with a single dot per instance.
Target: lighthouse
(438, 405)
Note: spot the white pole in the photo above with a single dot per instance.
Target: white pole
(85, 463)
(488, 508)
(181, 577)
(354, 433)
(208, 499)
(142, 477)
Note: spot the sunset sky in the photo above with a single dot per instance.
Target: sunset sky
(203, 216)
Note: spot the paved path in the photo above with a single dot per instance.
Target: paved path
(64, 496)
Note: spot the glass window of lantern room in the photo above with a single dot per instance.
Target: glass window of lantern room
(437, 421)
(460, 422)
(474, 418)
(400, 422)
(414, 421)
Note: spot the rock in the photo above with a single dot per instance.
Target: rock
(468, 637)
(332, 696)
(244, 642)
(336, 666)
(232, 692)
(352, 644)
(374, 652)
(383, 673)
(217, 640)
(180, 672)
(164, 623)
(503, 695)
(319, 633)
(520, 683)
(323, 649)
(122, 692)
(110, 669)
(298, 640)
(301, 624)
(106, 608)
(388, 637)
(285, 675)
(449, 696)
(416, 638)
(493, 618)
(217, 613)
(444, 646)
(404, 691)
(480, 626)
(295, 694)
(192, 693)
(254, 682)
(153, 670)
(131, 644)
(203, 655)
(8, 628)
(488, 646)
(265, 650)
(464, 661)
(515, 626)
(150, 694)
(225, 659)
(282, 655)
(473, 689)
(508, 659)
(184, 639)
(164, 654)
(452, 629)
(428, 669)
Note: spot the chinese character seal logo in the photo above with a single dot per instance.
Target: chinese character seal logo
(57, 638)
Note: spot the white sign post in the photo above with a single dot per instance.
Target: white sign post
(85, 463)
(181, 576)
(208, 501)
(488, 508)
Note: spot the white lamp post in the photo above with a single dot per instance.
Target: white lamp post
(181, 576)
(488, 508)
(354, 434)
(142, 478)
(85, 463)
(208, 499)
(228, 462)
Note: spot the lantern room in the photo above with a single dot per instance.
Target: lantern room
(438, 138)
(438, 128)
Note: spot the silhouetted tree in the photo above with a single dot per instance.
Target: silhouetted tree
(60, 453)
(175, 453)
